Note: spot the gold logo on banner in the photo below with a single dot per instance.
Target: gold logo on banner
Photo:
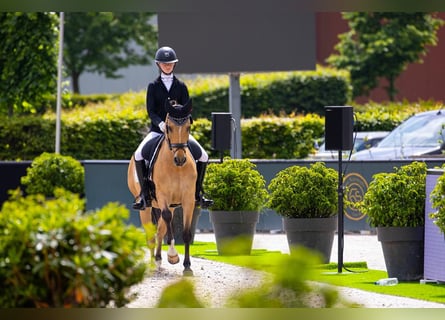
(355, 188)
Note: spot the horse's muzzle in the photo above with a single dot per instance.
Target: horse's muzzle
(179, 160)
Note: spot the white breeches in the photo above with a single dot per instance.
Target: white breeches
(138, 153)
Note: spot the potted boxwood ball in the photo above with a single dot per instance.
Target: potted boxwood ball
(307, 200)
(49, 171)
(239, 193)
(395, 205)
(438, 203)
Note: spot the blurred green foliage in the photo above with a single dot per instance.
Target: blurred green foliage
(54, 254)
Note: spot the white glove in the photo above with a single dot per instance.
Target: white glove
(162, 126)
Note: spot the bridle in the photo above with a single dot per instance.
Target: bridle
(180, 122)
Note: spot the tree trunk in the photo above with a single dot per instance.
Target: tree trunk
(391, 89)
(75, 79)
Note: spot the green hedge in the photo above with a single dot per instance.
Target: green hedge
(385, 117)
(110, 134)
(288, 92)
(273, 92)
(280, 137)
(117, 138)
(25, 138)
(111, 126)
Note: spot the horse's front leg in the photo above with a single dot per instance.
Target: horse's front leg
(172, 254)
(188, 209)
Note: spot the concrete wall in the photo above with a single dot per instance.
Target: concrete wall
(105, 181)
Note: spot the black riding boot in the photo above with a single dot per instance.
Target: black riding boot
(144, 200)
(200, 199)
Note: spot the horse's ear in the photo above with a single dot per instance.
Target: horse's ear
(188, 107)
(168, 104)
(178, 111)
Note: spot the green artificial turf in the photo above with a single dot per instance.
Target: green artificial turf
(365, 280)
(354, 275)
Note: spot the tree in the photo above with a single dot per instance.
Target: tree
(28, 60)
(104, 42)
(381, 45)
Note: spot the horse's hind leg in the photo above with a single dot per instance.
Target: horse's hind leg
(161, 230)
(146, 221)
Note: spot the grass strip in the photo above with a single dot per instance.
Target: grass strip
(354, 274)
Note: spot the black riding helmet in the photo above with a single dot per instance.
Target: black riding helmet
(166, 55)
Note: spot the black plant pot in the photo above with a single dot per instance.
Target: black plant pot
(403, 250)
(313, 233)
(234, 231)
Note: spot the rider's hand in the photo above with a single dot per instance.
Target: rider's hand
(162, 126)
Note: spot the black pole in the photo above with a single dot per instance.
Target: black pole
(340, 213)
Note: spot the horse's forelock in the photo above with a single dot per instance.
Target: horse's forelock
(179, 121)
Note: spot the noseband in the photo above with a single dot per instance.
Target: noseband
(180, 122)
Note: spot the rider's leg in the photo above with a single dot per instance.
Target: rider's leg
(144, 199)
(203, 201)
(201, 167)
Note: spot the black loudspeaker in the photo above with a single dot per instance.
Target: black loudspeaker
(339, 125)
(221, 130)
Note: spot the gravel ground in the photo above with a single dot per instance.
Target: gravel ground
(214, 281)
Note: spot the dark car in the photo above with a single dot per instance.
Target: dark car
(421, 135)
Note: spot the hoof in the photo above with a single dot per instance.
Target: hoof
(187, 272)
(158, 264)
(173, 259)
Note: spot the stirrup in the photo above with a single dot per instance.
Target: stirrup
(141, 204)
(204, 202)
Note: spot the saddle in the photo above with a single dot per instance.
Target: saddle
(151, 149)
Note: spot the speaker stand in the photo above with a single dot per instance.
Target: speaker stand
(340, 227)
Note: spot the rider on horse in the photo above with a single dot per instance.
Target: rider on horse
(163, 88)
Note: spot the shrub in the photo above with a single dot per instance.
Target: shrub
(53, 254)
(235, 185)
(396, 199)
(302, 192)
(438, 203)
(49, 171)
